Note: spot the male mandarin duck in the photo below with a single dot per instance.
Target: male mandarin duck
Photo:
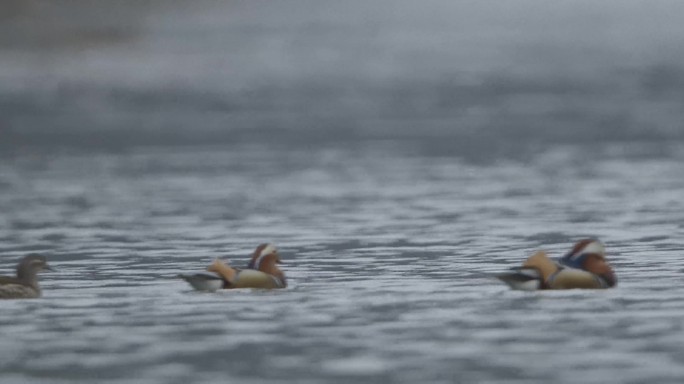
(585, 266)
(261, 272)
(25, 285)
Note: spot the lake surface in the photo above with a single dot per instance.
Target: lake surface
(398, 157)
(389, 257)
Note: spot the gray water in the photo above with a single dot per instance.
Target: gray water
(398, 156)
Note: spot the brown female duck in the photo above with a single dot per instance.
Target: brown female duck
(25, 285)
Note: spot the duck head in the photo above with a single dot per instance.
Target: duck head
(266, 259)
(598, 265)
(589, 255)
(260, 254)
(31, 265)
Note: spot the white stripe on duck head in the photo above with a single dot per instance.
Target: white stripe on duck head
(261, 253)
(575, 258)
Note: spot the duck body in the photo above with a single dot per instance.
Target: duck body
(25, 284)
(204, 281)
(584, 267)
(11, 288)
(261, 272)
(251, 278)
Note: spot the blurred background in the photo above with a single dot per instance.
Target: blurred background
(399, 153)
(435, 73)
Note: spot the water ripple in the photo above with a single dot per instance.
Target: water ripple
(390, 263)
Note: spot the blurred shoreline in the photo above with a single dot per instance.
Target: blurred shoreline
(112, 75)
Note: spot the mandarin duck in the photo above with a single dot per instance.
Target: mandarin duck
(25, 285)
(584, 266)
(262, 272)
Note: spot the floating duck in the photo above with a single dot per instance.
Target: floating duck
(261, 272)
(585, 266)
(25, 285)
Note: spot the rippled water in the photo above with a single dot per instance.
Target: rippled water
(399, 153)
(389, 255)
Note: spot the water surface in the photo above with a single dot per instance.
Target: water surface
(399, 153)
(389, 255)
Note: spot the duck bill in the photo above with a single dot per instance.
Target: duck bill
(610, 278)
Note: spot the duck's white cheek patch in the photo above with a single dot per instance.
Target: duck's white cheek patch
(266, 251)
(593, 247)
